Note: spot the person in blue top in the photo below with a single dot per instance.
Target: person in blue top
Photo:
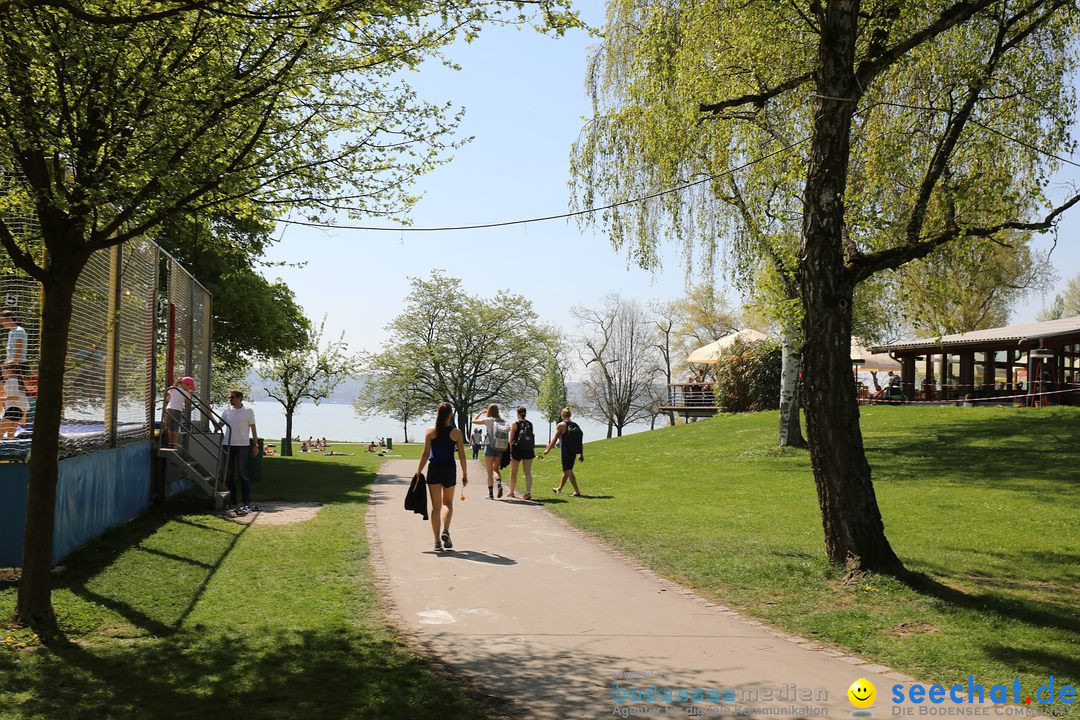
(440, 442)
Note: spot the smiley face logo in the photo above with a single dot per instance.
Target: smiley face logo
(862, 693)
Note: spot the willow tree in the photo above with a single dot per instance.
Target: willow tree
(834, 139)
(113, 124)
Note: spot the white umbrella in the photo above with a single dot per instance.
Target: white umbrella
(710, 354)
(876, 362)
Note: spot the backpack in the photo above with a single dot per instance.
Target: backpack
(524, 438)
(572, 438)
(500, 434)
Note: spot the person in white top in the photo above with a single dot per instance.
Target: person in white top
(241, 423)
(16, 405)
(177, 406)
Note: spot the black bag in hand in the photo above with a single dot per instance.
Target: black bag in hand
(416, 498)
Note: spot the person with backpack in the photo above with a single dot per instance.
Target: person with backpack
(572, 444)
(498, 443)
(522, 450)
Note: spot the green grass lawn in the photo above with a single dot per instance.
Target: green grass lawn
(984, 503)
(183, 614)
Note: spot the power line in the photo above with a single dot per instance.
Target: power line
(576, 213)
(984, 126)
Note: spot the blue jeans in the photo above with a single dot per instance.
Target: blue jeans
(238, 466)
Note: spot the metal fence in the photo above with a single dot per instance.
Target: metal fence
(118, 317)
(187, 336)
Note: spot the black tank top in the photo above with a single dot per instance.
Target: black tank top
(442, 447)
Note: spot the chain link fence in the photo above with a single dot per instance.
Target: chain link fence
(119, 315)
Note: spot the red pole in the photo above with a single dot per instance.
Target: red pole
(171, 347)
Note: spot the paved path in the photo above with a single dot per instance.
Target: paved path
(538, 613)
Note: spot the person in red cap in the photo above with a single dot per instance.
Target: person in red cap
(177, 407)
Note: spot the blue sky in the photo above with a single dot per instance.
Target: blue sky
(524, 98)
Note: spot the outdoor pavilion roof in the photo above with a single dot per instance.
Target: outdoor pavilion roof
(1022, 335)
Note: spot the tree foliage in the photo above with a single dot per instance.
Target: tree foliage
(552, 396)
(117, 119)
(965, 286)
(1066, 303)
(253, 317)
(873, 132)
(311, 372)
(466, 350)
(392, 395)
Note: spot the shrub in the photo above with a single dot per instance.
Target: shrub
(748, 377)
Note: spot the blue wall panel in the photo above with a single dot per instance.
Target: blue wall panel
(13, 477)
(99, 491)
(95, 493)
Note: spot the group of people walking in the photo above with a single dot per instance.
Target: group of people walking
(512, 444)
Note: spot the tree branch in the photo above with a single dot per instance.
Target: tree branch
(950, 17)
(758, 100)
(863, 266)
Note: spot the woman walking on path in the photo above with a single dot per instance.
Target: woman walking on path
(522, 451)
(571, 435)
(498, 442)
(439, 445)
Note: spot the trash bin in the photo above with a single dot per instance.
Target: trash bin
(285, 448)
(389, 443)
(255, 464)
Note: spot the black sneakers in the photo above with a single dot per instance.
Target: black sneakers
(498, 493)
(446, 540)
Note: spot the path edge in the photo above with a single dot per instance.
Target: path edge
(497, 707)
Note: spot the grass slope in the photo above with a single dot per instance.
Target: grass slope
(984, 502)
(183, 614)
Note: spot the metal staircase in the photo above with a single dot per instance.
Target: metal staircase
(201, 457)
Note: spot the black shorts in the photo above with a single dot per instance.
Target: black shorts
(525, 453)
(445, 475)
(568, 459)
(13, 413)
(172, 420)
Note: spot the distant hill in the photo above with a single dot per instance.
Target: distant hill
(346, 393)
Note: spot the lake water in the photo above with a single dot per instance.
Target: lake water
(339, 422)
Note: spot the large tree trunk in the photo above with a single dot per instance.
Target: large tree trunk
(405, 429)
(34, 604)
(790, 426)
(854, 532)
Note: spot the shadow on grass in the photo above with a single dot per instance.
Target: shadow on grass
(1029, 611)
(339, 674)
(335, 482)
(986, 452)
(1038, 662)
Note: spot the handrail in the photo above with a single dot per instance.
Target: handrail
(691, 395)
(203, 437)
